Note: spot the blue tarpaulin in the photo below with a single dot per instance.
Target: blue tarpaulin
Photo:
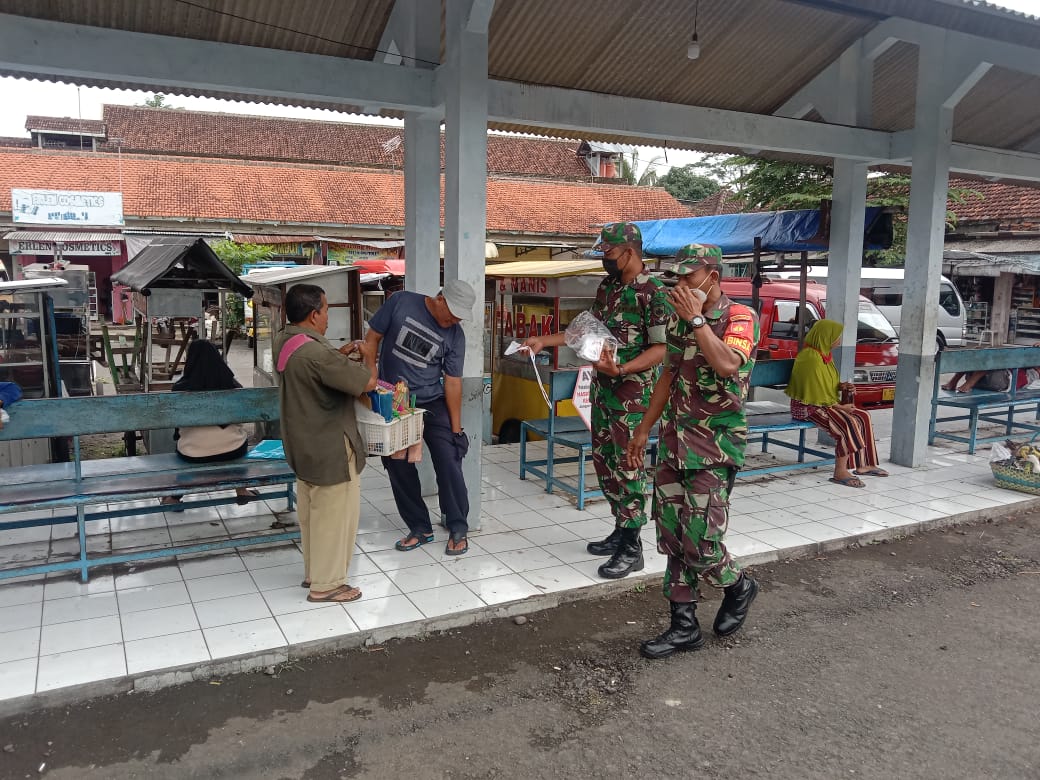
(780, 231)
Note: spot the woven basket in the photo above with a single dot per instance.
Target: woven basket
(1010, 476)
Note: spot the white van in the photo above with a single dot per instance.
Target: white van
(884, 286)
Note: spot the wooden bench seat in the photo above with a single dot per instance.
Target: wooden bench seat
(88, 490)
(985, 406)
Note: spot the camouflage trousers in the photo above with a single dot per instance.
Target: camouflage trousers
(691, 512)
(624, 488)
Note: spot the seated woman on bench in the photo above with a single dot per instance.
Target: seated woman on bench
(205, 369)
(998, 380)
(815, 391)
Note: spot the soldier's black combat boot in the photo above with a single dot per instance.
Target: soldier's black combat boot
(684, 634)
(627, 558)
(608, 546)
(735, 605)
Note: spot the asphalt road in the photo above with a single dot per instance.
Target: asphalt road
(912, 659)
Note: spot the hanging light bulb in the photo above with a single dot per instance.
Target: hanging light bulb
(693, 49)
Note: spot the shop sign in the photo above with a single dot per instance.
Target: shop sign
(532, 285)
(346, 255)
(65, 207)
(515, 324)
(89, 248)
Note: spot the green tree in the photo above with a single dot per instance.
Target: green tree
(235, 257)
(157, 100)
(762, 184)
(687, 185)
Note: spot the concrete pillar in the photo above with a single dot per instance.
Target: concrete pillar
(933, 132)
(419, 44)
(1000, 318)
(465, 85)
(422, 203)
(846, 257)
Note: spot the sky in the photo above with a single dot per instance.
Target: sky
(21, 98)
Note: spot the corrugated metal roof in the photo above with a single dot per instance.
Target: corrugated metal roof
(64, 236)
(755, 53)
(176, 262)
(274, 276)
(42, 284)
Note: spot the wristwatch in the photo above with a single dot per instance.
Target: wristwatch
(697, 321)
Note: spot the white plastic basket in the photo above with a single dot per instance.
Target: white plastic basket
(386, 438)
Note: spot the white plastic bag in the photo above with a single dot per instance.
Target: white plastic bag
(589, 337)
(999, 452)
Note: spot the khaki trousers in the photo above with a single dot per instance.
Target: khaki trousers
(328, 517)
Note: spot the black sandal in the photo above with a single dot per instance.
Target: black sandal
(448, 550)
(413, 541)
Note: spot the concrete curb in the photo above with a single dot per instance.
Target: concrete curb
(253, 662)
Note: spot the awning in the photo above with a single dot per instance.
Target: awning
(780, 231)
(546, 269)
(63, 236)
(179, 262)
(260, 238)
(490, 250)
(964, 263)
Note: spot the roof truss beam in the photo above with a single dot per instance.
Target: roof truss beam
(578, 111)
(37, 47)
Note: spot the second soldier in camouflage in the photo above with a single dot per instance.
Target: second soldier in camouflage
(700, 400)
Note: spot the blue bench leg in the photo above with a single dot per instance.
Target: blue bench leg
(290, 500)
(801, 445)
(81, 522)
(973, 430)
(581, 478)
(523, 452)
(549, 463)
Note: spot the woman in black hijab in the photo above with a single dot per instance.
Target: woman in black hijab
(205, 369)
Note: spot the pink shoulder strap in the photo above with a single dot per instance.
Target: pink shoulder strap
(289, 349)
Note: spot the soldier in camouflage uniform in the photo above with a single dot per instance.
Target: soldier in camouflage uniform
(700, 400)
(634, 306)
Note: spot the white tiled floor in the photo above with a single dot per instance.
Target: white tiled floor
(174, 613)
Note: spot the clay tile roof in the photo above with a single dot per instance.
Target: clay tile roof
(65, 124)
(721, 202)
(24, 143)
(216, 190)
(204, 134)
(995, 202)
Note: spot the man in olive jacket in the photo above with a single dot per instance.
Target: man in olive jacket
(317, 388)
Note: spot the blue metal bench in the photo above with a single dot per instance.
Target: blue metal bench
(985, 405)
(570, 432)
(78, 492)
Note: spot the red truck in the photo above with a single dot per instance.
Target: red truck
(877, 345)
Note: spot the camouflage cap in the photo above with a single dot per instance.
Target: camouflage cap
(614, 233)
(693, 256)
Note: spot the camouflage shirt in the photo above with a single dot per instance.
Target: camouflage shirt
(637, 315)
(704, 424)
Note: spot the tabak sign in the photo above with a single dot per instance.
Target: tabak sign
(515, 323)
(66, 207)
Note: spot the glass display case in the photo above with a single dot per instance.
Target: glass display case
(532, 298)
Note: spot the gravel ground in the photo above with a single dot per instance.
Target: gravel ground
(912, 659)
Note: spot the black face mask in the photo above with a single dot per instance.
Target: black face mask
(611, 267)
